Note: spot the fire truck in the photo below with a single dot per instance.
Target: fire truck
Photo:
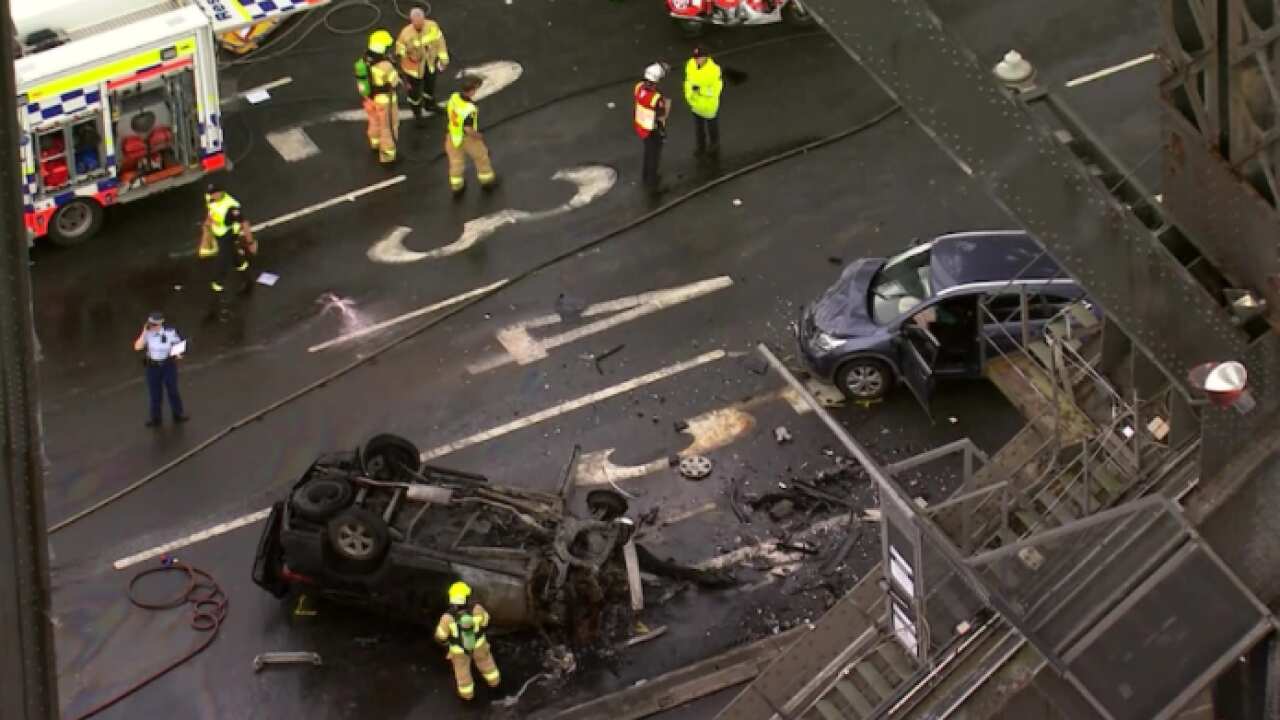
(118, 100)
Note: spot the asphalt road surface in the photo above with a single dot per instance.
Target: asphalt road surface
(738, 260)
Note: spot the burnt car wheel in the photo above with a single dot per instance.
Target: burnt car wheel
(864, 379)
(359, 539)
(386, 456)
(320, 499)
(606, 505)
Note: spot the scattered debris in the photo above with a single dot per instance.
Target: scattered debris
(781, 435)
(802, 548)
(681, 517)
(735, 503)
(953, 420)
(782, 510)
(737, 202)
(559, 663)
(633, 575)
(646, 637)
(835, 260)
(871, 515)
(711, 579)
(851, 537)
(596, 358)
(695, 467)
(285, 658)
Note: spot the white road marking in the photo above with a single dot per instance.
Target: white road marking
(523, 348)
(575, 404)
(496, 76)
(768, 550)
(710, 431)
(349, 197)
(357, 116)
(260, 88)
(293, 144)
(408, 316)
(592, 181)
(192, 539)
(1111, 70)
(289, 217)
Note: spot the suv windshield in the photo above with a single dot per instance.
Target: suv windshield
(901, 284)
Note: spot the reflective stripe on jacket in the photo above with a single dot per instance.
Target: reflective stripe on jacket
(648, 100)
(218, 210)
(384, 79)
(460, 111)
(702, 87)
(419, 48)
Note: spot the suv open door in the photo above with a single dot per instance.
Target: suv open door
(917, 355)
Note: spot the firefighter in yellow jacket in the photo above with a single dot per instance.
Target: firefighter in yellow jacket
(463, 139)
(377, 81)
(423, 53)
(462, 632)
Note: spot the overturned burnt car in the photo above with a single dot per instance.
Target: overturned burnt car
(377, 528)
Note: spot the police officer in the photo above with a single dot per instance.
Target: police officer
(157, 342)
(462, 632)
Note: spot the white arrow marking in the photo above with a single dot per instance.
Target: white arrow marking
(591, 181)
(496, 76)
(523, 348)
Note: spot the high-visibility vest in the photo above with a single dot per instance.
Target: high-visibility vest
(646, 111)
(704, 101)
(383, 79)
(218, 210)
(417, 48)
(459, 111)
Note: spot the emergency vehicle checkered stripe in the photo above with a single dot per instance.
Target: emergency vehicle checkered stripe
(64, 104)
(259, 9)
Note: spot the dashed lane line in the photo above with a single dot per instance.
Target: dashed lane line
(1111, 70)
(528, 421)
(377, 327)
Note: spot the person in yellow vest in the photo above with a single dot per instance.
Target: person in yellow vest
(384, 127)
(462, 632)
(423, 53)
(217, 203)
(703, 83)
(463, 139)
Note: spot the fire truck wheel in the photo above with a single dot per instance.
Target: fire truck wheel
(797, 14)
(75, 222)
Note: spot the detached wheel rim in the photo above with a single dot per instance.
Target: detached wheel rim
(864, 381)
(355, 540)
(74, 220)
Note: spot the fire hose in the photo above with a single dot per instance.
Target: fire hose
(208, 610)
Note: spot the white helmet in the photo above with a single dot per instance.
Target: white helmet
(654, 72)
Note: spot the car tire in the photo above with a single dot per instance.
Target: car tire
(796, 14)
(359, 540)
(606, 505)
(383, 455)
(75, 222)
(864, 379)
(320, 499)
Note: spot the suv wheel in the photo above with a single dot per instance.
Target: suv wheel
(359, 539)
(320, 499)
(864, 379)
(386, 456)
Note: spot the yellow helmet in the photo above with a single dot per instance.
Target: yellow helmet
(458, 593)
(379, 41)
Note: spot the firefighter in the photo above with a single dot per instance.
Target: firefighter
(702, 86)
(462, 632)
(377, 80)
(650, 120)
(464, 140)
(423, 53)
